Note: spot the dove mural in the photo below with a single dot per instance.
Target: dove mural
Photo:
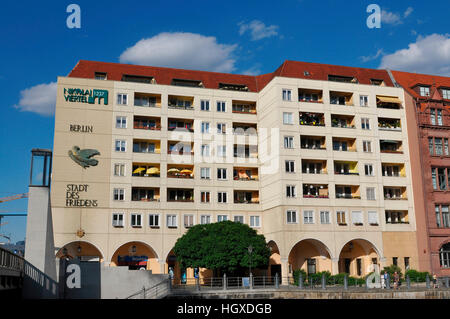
(83, 157)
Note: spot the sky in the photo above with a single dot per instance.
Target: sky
(243, 37)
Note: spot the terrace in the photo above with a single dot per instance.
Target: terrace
(181, 102)
(346, 168)
(343, 121)
(180, 195)
(146, 170)
(180, 171)
(147, 100)
(341, 98)
(388, 102)
(394, 193)
(245, 173)
(389, 146)
(313, 119)
(246, 197)
(348, 191)
(145, 194)
(308, 95)
(147, 123)
(244, 107)
(314, 166)
(388, 124)
(315, 191)
(312, 142)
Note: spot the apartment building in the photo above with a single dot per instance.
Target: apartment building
(313, 156)
(427, 101)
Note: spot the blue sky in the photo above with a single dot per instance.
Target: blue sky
(251, 37)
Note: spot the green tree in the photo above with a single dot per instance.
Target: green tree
(222, 247)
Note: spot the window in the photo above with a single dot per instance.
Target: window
(363, 100)
(254, 221)
(324, 217)
(368, 169)
(433, 116)
(205, 197)
(308, 217)
(222, 218)
(357, 218)
(290, 166)
(430, 145)
(439, 117)
(311, 265)
(122, 99)
(372, 217)
(238, 219)
(433, 177)
(221, 197)
(446, 152)
(291, 217)
(221, 107)
(205, 219)
(119, 169)
(424, 91)
(188, 221)
(406, 261)
(221, 128)
(370, 192)
(367, 146)
(288, 142)
(438, 146)
(441, 178)
(446, 94)
(221, 150)
(340, 217)
(204, 105)
(445, 216)
(117, 220)
(205, 150)
(205, 127)
(171, 221)
(153, 220)
(136, 220)
(121, 145)
(121, 122)
(119, 194)
(100, 76)
(205, 173)
(287, 95)
(288, 118)
(438, 216)
(221, 173)
(365, 123)
(444, 256)
(395, 261)
(290, 191)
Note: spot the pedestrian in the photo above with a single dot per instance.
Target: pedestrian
(396, 280)
(383, 281)
(386, 282)
(435, 284)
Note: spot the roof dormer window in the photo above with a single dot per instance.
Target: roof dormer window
(100, 76)
(424, 91)
(339, 78)
(189, 83)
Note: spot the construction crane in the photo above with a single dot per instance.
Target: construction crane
(13, 197)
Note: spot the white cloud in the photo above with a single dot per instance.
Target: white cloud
(365, 59)
(254, 70)
(258, 30)
(407, 12)
(430, 55)
(182, 50)
(390, 17)
(39, 99)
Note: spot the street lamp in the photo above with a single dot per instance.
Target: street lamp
(250, 250)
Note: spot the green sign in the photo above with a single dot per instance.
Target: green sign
(85, 96)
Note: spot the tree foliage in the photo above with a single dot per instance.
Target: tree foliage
(222, 246)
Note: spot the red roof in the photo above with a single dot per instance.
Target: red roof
(292, 69)
(410, 80)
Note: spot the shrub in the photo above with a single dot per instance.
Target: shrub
(390, 270)
(417, 276)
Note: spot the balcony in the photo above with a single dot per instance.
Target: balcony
(146, 170)
(180, 195)
(315, 191)
(245, 151)
(393, 170)
(343, 121)
(246, 197)
(341, 98)
(144, 194)
(312, 96)
(348, 191)
(245, 174)
(312, 142)
(389, 146)
(388, 102)
(146, 146)
(244, 107)
(312, 119)
(181, 102)
(345, 168)
(180, 125)
(180, 171)
(387, 124)
(244, 129)
(314, 166)
(147, 123)
(147, 100)
(396, 217)
(180, 148)
(344, 144)
(394, 193)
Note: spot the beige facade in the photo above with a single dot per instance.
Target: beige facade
(324, 224)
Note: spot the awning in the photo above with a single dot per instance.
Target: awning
(138, 170)
(186, 171)
(173, 170)
(389, 99)
(153, 170)
(389, 141)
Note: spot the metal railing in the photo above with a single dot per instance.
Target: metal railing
(11, 262)
(158, 291)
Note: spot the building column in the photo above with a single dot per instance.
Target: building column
(334, 266)
(162, 267)
(284, 271)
